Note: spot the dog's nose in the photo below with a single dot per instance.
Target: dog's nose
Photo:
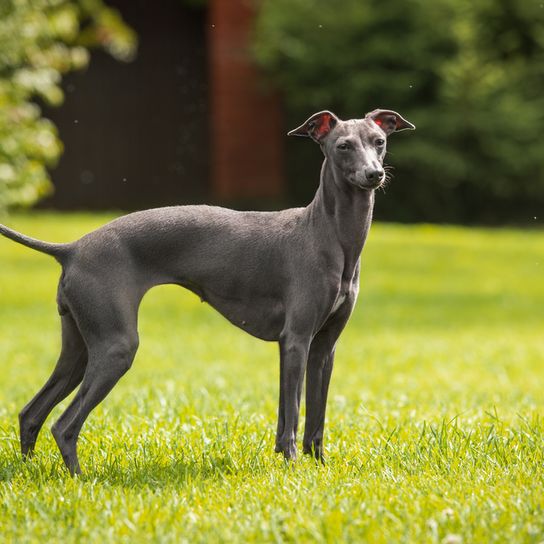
(374, 175)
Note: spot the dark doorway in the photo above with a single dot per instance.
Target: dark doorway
(136, 134)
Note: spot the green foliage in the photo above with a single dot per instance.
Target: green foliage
(468, 74)
(434, 430)
(39, 41)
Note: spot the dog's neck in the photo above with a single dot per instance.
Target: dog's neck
(344, 211)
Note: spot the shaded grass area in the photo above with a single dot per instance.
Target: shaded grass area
(434, 434)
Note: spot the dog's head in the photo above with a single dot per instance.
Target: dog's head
(355, 148)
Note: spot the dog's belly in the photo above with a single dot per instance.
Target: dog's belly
(261, 317)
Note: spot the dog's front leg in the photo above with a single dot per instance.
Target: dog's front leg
(318, 376)
(293, 357)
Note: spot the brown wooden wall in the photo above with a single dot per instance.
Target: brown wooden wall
(246, 121)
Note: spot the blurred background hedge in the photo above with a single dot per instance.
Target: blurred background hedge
(469, 74)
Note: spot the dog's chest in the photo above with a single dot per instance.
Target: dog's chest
(348, 287)
(339, 301)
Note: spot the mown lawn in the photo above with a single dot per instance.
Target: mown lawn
(435, 424)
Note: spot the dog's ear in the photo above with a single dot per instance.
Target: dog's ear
(389, 121)
(317, 127)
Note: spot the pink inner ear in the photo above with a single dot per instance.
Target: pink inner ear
(324, 126)
(379, 122)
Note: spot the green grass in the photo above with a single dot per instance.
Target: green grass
(435, 421)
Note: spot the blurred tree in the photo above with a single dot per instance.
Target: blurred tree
(39, 41)
(469, 74)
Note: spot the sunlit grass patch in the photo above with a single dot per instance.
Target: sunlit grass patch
(434, 434)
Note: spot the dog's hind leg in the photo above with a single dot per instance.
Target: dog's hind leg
(67, 374)
(108, 361)
(108, 323)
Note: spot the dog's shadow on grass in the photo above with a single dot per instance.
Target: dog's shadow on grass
(152, 468)
(153, 473)
(157, 474)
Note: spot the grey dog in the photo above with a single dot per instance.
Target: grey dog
(290, 276)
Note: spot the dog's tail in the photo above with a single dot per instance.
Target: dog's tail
(59, 251)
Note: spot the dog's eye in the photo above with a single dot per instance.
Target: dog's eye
(343, 146)
(379, 142)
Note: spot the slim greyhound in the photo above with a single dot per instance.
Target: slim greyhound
(290, 276)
